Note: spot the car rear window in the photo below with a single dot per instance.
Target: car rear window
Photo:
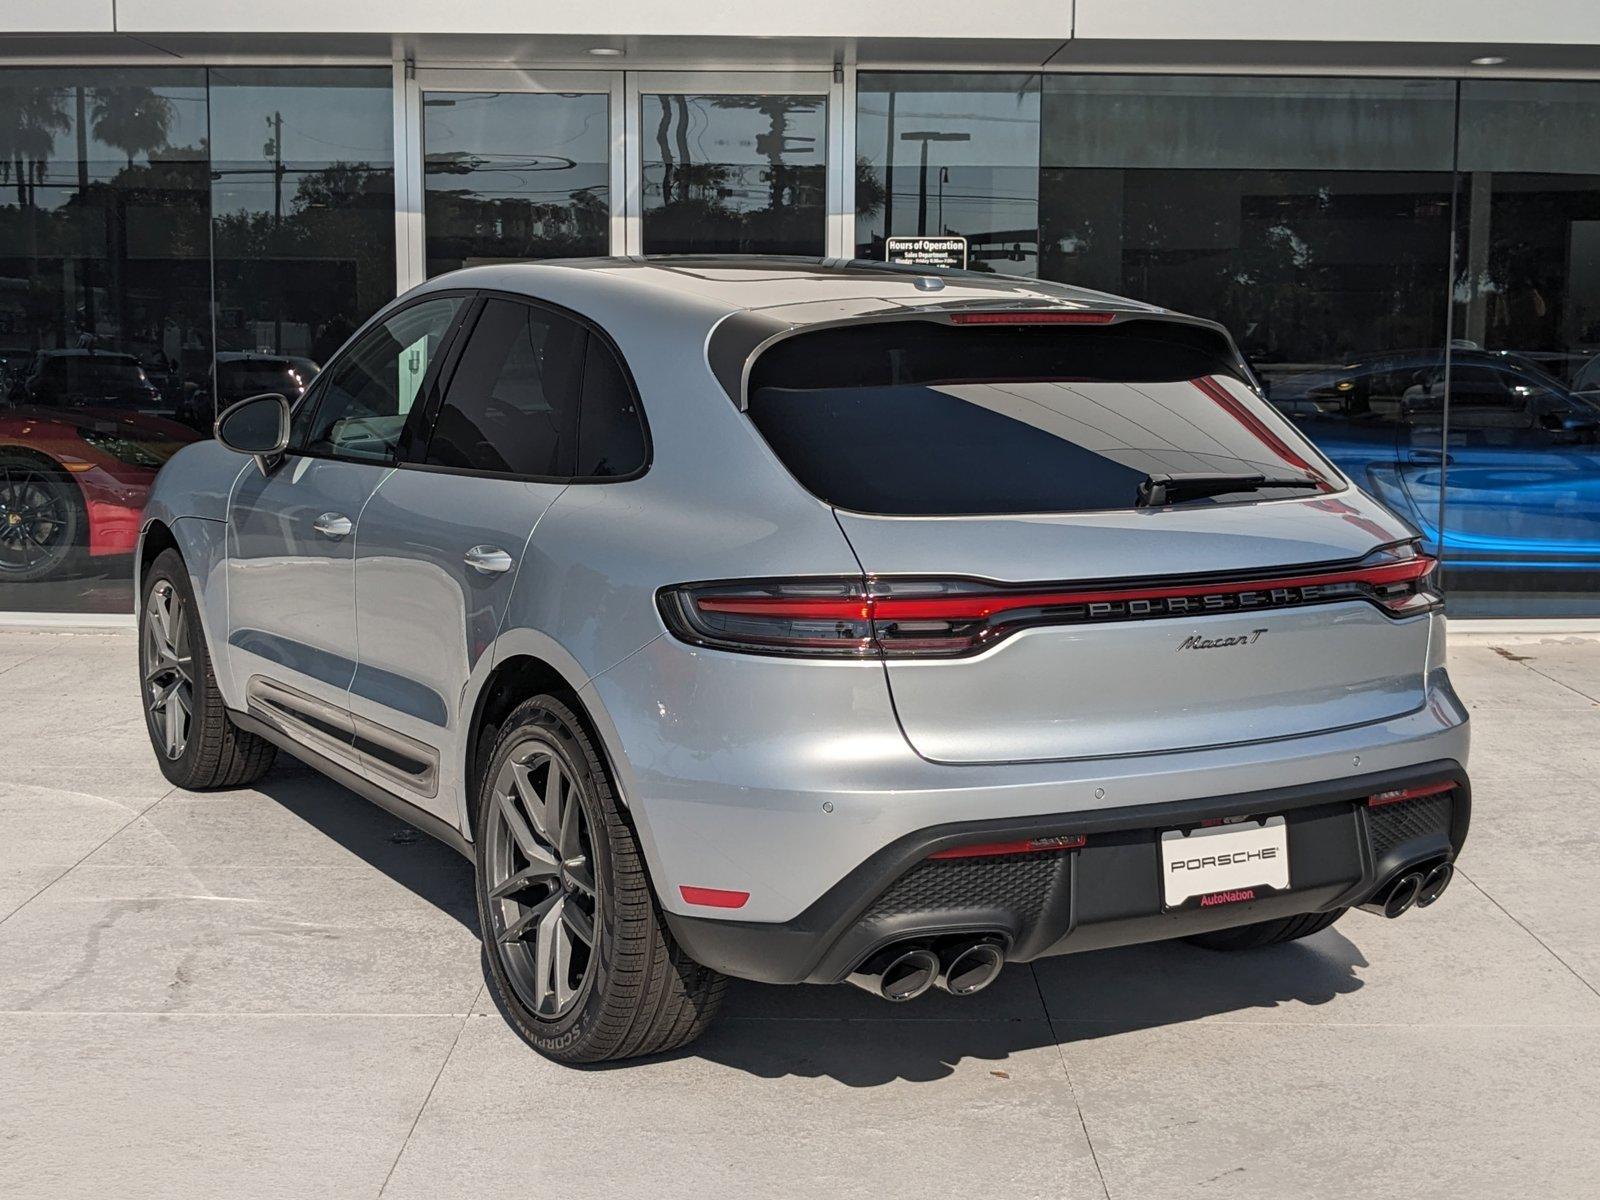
(921, 418)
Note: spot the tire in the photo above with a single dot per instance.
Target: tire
(1267, 933)
(201, 748)
(43, 523)
(628, 991)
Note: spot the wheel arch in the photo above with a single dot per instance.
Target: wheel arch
(514, 679)
(155, 539)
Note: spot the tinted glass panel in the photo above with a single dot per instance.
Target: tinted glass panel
(950, 154)
(922, 419)
(303, 202)
(611, 433)
(105, 326)
(512, 407)
(514, 175)
(360, 408)
(1520, 493)
(734, 174)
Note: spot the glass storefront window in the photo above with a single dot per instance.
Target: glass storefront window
(515, 175)
(302, 169)
(950, 155)
(105, 329)
(734, 174)
(1520, 482)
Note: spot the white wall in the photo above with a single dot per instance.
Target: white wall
(1490, 22)
(1487, 22)
(55, 16)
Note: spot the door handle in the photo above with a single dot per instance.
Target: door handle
(1432, 456)
(488, 560)
(332, 525)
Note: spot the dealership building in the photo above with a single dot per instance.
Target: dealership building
(1394, 208)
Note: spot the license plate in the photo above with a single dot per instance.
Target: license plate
(1216, 860)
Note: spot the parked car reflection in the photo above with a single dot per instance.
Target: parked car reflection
(1518, 465)
(73, 483)
(241, 374)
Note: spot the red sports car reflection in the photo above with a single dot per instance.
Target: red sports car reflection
(73, 482)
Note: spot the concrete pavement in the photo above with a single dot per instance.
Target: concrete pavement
(279, 992)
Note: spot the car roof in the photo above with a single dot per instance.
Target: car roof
(748, 282)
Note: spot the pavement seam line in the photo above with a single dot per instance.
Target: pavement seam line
(1563, 683)
(1066, 1071)
(90, 853)
(1515, 921)
(438, 1075)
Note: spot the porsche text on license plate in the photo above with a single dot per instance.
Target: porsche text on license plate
(1217, 859)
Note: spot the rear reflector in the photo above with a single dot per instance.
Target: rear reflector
(713, 897)
(1411, 793)
(1070, 841)
(1034, 318)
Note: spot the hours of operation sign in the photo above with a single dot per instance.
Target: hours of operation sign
(927, 251)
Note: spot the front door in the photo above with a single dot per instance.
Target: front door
(293, 532)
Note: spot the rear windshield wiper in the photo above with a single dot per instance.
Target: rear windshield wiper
(1157, 490)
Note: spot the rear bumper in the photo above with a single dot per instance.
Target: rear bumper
(1106, 893)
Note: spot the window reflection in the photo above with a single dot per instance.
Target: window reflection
(950, 154)
(515, 176)
(1521, 484)
(105, 333)
(734, 174)
(302, 173)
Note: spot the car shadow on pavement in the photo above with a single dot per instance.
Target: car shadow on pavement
(858, 1040)
(425, 866)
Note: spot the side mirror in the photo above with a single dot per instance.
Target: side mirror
(257, 426)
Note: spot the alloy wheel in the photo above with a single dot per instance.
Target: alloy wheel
(33, 518)
(168, 668)
(541, 881)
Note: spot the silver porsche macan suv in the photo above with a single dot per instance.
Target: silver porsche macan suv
(810, 621)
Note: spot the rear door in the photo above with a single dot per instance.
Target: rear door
(444, 539)
(1177, 626)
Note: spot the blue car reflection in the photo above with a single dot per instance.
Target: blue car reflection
(1517, 470)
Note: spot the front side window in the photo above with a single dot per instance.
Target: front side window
(512, 406)
(370, 390)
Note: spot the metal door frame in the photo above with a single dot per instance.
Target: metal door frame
(410, 83)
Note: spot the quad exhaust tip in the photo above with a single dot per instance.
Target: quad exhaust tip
(968, 968)
(963, 967)
(1416, 888)
(899, 973)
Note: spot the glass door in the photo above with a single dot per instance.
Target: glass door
(515, 166)
(732, 163)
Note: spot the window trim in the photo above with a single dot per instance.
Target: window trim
(438, 386)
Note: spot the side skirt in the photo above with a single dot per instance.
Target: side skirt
(365, 788)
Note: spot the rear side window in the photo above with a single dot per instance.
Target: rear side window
(610, 432)
(920, 418)
(512, 405)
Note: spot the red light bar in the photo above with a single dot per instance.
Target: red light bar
(713, 897)
(1412, 793)
(973, 607)
(1071, 317)
(1071, 841)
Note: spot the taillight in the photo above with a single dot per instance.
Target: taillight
(947, 618)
